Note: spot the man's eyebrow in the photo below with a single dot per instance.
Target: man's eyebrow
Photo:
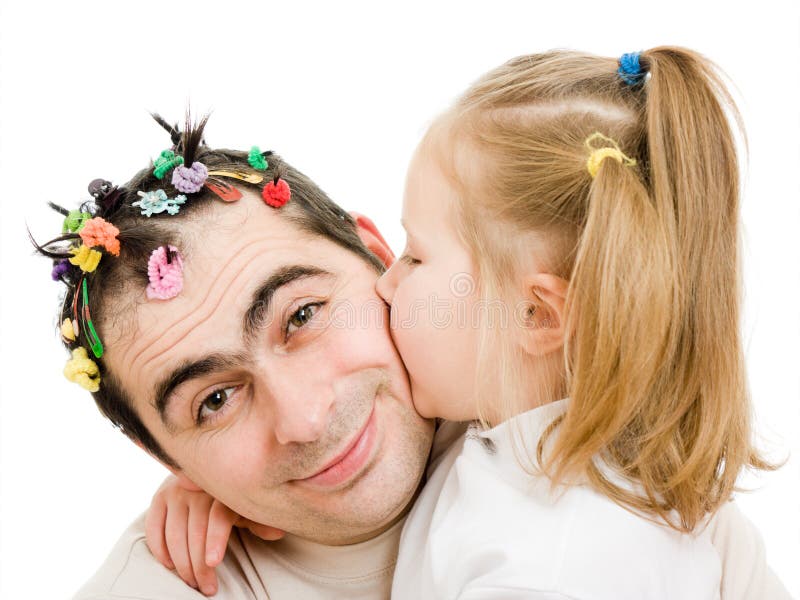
(187, 371)
(259, 307)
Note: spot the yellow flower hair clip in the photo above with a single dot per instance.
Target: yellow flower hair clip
(83, 370)
(68, 330)
(85, 258)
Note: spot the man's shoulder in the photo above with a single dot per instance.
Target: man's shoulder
(131, 571)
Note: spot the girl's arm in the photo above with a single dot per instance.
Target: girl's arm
(188, 530)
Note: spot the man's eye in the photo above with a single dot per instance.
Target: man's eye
(301, 316)
(214, 403)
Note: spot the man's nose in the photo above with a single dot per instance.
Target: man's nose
(301, 412)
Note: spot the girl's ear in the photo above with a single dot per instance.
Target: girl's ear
(543, 315)
(183, 480)
(373, 239)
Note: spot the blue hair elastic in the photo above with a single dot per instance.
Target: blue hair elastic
(629, 68)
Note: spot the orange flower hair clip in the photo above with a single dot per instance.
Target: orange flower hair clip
(99, 232)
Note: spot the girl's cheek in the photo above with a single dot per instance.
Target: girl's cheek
(428, 349)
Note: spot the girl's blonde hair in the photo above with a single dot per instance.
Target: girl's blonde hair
(653, 361)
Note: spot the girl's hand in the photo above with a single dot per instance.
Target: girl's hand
(188, 530)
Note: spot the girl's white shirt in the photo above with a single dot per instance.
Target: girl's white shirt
(485, 528)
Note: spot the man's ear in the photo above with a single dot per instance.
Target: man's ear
(373, 239)
(183, 480)
(543, 315)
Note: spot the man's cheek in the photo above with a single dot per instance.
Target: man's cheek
(358, 336)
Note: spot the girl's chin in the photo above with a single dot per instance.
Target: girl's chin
(433, 408)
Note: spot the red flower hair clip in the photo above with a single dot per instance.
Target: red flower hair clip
(277, 192)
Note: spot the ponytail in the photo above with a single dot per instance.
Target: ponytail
(653, 359)
(659, 383)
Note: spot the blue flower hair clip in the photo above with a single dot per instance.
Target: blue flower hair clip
(157, 202)
(629, 68)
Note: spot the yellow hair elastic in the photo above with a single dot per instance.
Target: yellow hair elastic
(67, 330)
(597, 155)
(85, 258)
(83, 370)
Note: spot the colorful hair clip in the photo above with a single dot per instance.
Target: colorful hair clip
(597, 155)
(190, 180)
(257, 159)
(85, 258)
(277, 192)
(165, 272)
(226, 192)
(60, 269)
(248, 177)
(83, 370)
(74, 221)
(75, 298)
(99, 232)
(88, 327)
(157, 202)
(106, 194)
(67, 330)
(166, 161)
(629, 68)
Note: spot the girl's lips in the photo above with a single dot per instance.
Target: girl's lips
(350, 461)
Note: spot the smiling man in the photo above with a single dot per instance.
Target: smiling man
(252, 383)
(270, 380)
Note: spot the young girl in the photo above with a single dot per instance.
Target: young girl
(578, 216)
(596, 205)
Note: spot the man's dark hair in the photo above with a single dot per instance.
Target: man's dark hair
(310, 210)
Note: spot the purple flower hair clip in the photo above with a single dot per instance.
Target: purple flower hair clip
(190, 180)
(60, 269)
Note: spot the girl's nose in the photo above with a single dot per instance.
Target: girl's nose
(386, 284)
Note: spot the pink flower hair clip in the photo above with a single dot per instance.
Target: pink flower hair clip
(165, 272)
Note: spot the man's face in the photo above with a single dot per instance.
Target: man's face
(272, 381)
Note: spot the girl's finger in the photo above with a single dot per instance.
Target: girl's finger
(178, 543)
(154, 524)
(220, 522)
(199, 514)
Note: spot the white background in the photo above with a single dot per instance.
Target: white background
(343, 91)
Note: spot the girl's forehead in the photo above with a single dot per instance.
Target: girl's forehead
(430, 209)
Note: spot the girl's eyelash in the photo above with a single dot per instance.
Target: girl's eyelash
(409, 260)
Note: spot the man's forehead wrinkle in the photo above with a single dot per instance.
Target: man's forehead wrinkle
(203, 307)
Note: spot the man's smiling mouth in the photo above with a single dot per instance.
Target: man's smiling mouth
(349, 462)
